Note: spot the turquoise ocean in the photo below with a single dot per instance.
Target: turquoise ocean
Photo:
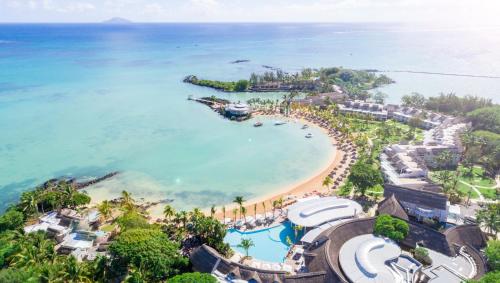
(84, 100)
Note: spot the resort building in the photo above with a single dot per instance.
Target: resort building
(369, 258)
(407, 165)
(425, 202)
(402, 166)
(317, 215)
(350, 252)
(237, 110)
(72, 232)
(428, 119)
(373, 110)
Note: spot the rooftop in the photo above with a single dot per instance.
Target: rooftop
(365, 259)
(315, 212)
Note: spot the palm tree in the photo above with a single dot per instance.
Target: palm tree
(327, 182)
(239, 200)
(490, 217)
(73, 271)
(255, 210)
(275, 204)
(127, 201)
(224, 213)
(168, 212)
(243, 211)
(246, 244)
(212, 211)
(235, 212)
(105, 210)
(264, 206)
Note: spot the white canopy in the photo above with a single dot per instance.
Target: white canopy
(310, 236)
(314, 212)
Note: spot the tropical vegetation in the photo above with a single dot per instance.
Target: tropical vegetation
(391, 227)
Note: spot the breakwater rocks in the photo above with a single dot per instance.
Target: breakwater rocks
(81, 185)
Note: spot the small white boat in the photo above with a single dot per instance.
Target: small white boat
(305, 127)
(258, 124)
(277, 123)
(309, 135)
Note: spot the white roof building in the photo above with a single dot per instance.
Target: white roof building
(313, 213)
(368, 258)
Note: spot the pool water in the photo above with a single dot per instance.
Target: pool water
(269, 244)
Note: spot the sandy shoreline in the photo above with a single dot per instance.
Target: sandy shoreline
(297, 189)
(314, 183)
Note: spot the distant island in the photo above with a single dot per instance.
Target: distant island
(117, 21)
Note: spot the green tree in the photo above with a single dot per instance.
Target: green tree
(246, 244)
(73, 271)
(393, 228)
(241, 85)
(489, 217)
(490, 277)
(492, 252)
(105, 209)
(487, 118)
(379, 97)
(149, 247)
(127, 202)
(194, 277)
(239, 200)
(364, 176)
(327, 182)
(168, 212)
(414, 100)
(11, 220)
(132, 220)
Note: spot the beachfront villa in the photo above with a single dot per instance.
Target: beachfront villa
(348, 251)
(72, 232)
(407, 164)
(374, 110)
(322, 100)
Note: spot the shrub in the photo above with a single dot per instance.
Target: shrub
(194, 277)
(148, 249)
(393, 228)
(11, 220)
(132, 220)
(422, 255)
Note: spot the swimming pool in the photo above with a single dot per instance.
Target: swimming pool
(269, 244)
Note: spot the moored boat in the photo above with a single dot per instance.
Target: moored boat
(277, 123)
(305, 126)
(309, 135)
(258, 124)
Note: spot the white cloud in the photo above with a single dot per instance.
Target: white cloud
(447, 11)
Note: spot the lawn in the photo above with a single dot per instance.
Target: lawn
(477, 180)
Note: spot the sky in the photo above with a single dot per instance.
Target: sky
(450, 12)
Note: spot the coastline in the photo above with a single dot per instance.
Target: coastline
(310, 185)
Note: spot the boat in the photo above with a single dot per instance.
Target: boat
(305, 127)
(258, 124)
(277, 123)
(309, 135)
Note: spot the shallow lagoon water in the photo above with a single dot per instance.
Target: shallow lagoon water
(84, 100)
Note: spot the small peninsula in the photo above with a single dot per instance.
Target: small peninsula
(355, 82)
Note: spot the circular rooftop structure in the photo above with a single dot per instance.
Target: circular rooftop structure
(366, 258)
(314, 212)
(238, 109)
